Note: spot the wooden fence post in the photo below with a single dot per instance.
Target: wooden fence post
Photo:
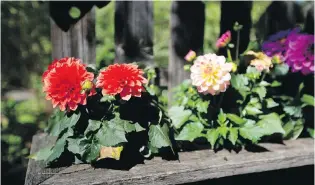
(79, 41)
(134, 31)
(236, 11)
(187, 32)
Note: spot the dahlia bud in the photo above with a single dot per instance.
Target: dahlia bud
(87, 85)
(276, 59)
(234, 67)
(191, 55)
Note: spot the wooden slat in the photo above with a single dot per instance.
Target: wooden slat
(195, 166)
(236, 11)
(187, 32)
(36, 171)
(78, 42)
(134, 32)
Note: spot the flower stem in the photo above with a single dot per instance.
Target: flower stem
(229, 55)
(263, 77)
(237, 44)
(220, 100)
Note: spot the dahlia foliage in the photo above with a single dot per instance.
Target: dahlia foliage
(101, 114)
(234, 101)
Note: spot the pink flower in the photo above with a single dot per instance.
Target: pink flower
(300, 53)
(191, 55)
(211, 74)
(224, 39)
(277, 44)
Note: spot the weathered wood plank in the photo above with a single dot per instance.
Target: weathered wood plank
(36, 171)
(195, 166)
(78, 42)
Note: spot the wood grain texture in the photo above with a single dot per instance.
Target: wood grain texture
(36, 171)
(78, 42)
(134, 32)
(194, 166)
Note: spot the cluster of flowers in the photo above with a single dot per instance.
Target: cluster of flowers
(67, 83)
(211, 73)
(292, 47)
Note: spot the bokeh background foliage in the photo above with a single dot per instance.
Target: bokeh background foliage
(26, 52)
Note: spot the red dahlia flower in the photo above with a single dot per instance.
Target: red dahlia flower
(63, 82)
(123, 79)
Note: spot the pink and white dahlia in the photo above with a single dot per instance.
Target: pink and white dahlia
(211, 74)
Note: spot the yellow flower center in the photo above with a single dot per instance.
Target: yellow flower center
(210, 73)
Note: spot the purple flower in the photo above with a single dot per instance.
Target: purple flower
(277, 43)
(300, 53)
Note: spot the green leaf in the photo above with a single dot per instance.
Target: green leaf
(271, 123)
(69, 122)
(107, 98)
(74, 12)
(239, 82)
(233, 135)
(54, 122)
(93, 126)
(202, 106)
(295, 111)
(271, 103)
(252, 73)
(212, 136)
(178, 115)
(57, 150)
(275, 83)
(190, 131)
(261, 91)
(112, 132)
(254, 101)
(221, 117)
(153, 149)
(308, 99)
(264, 83)
(223, 130)
(159, 136)
(251, 110)
(281, 70)
(236, 119)
(42, 154)
(252, 132)
(311, 132)
(138, 127)
(91, 150)
(293, 129)
(130, 127)
(301, 86)
(74, 145)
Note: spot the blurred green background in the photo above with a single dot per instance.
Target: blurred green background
(26, 52)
